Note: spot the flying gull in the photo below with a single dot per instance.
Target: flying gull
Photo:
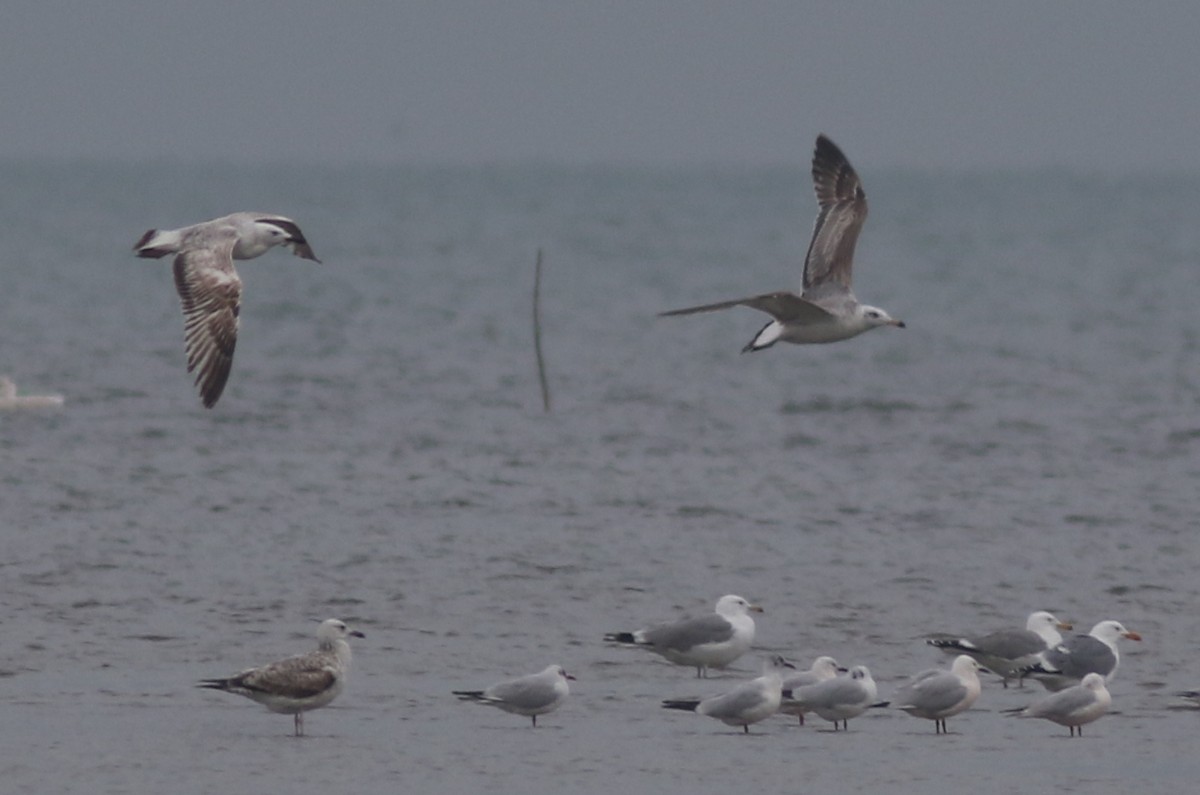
(747, 703)
(1064, 665)
(837, 699)
(937, 694)
(826, 310)
(294, 685)
(1075, 706)
(531, 695)
(711, 641)
(822, 668)
(209, 287)
(1008, 651)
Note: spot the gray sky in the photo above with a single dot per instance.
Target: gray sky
(1089, 85)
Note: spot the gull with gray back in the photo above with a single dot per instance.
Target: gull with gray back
(826, 310)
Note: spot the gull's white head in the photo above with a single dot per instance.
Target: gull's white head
(965, 666)
(825, 666)
(872, 316)
(334, 629)
(732, 605)
(1112, 631)
(1047, 626)
(1093, 681)
(860, 672)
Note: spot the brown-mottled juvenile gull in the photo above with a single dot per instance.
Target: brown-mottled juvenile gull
(1007, 652)
(826, 310)
(295, 685)
(209, 287)
(747, 703)
(1075, 706)
(1065, 665)
(711, 641)
(837, 699)
(936, 694)
(531, 695)
(822, 668)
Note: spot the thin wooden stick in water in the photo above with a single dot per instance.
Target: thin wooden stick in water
(537, 331)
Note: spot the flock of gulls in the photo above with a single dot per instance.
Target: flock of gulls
(1075, 670)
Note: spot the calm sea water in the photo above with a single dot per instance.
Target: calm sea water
(1029, 442)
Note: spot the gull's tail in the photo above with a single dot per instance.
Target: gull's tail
(157, 243)
(685, 705)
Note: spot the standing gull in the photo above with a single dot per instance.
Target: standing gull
(937, 694)
(1008, 651)
(1075, 706)
(209, 287)
(1064, 665)
(531, 695)
(826, 310)
(297, 684)
(713, 641)
(822, 668)
(747, 703)
(837, 699)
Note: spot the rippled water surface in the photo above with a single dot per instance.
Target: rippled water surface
(1030, 441)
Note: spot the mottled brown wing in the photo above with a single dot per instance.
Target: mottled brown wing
(211, 294)
(297, 677)
(843, 210)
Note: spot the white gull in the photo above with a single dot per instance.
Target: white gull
(822, 668)
(1065, 665)
(1007, 652)
(711, 641)
(837, 699)
(936, 694)
(531, 695)
(295, 685)
(826, 310)
(748, 703)
(209, 286)
(1075, 706)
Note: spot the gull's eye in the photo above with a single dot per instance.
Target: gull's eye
(873, 315)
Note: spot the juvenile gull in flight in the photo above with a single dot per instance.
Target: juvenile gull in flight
(826, 310)
(747, 703)
(936, 694)
(297, 684)
(1075, 706)
(837, 699)
(711, 641)
(1064, 665)
(822, 668)
(1007, 652)
(209, 287)
(531, 695)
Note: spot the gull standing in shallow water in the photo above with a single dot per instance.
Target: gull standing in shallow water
(297, 684)
(822, 668)
(1075, 706)
(531, 695)
(826, 310)
(711, 641)
(747, 703)
(837, 699)
(1065, 665)
(936, 694)
(209, 286)
(1007, 652)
